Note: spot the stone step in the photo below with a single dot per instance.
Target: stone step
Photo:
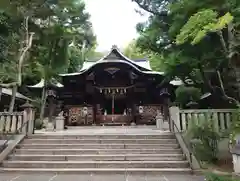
(130, 157)
(101, 141)
(101, 136)
(95, 164)
(97, 151)
(97, 146)
(85, 171)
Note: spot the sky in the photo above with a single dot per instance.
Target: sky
(114, 22)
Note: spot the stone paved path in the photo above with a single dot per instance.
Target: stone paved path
(117, 177)
(98, 130)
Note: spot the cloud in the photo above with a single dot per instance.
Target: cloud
(114, 21)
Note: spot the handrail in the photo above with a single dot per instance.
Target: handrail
(184, 141)
(7, 140)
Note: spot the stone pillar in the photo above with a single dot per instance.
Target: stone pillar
(236, 163)
(235, 151)
(30, 117)
(159, 120)
(59, 121)
(174, 118)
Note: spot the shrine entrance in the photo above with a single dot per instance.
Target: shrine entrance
(114, 106)
(119, 106)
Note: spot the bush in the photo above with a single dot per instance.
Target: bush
(204, 141)
(214, 177)
(184, 95)
(38, 124)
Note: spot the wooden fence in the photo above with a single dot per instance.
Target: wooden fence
(184, 118)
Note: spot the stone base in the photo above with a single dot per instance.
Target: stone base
(50, 127)
(133, 124)
(60, 123)
(159, 123)
(165, 125)
(45, 122)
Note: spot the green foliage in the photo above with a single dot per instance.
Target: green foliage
(202, 23)
(204, 140)
(38, 124)
(235, 126)
(186, 94)
(134, 52)
(172, 24)
(56, 25)
(215, 177)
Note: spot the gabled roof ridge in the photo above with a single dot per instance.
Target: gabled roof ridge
(114, 47)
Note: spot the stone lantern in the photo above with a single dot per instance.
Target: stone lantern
(30, 116)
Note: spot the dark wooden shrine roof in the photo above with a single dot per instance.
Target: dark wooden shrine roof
(116, 56)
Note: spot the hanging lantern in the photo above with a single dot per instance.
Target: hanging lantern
(140, 109)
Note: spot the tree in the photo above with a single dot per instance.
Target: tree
(199, 62)
(25, 43)
(134, 52)
(61, 47)
(56, 24)
(199, 26)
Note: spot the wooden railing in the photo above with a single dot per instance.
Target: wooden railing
(222, 118)
(10, 123)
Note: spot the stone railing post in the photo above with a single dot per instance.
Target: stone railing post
(29, 116)
(235, 151)
(174, 114)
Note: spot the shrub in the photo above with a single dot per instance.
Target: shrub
(184, 95)
(204, 140)
(214, 177)
(38, 124)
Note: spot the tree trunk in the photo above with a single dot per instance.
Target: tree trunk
(1, 89)
(12, 103)
(43, 104)
(206, 80)
(230, 99)
(228, 53)
(51, 109)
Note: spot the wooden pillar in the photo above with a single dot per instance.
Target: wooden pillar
(134, 110)
(166, 109)
(66, 116)
(94, 113)
(113, 107)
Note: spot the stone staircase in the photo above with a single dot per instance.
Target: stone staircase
(98, 154)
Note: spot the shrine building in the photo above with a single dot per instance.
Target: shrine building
(114, 90)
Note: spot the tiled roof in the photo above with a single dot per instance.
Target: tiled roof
(18, 95)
